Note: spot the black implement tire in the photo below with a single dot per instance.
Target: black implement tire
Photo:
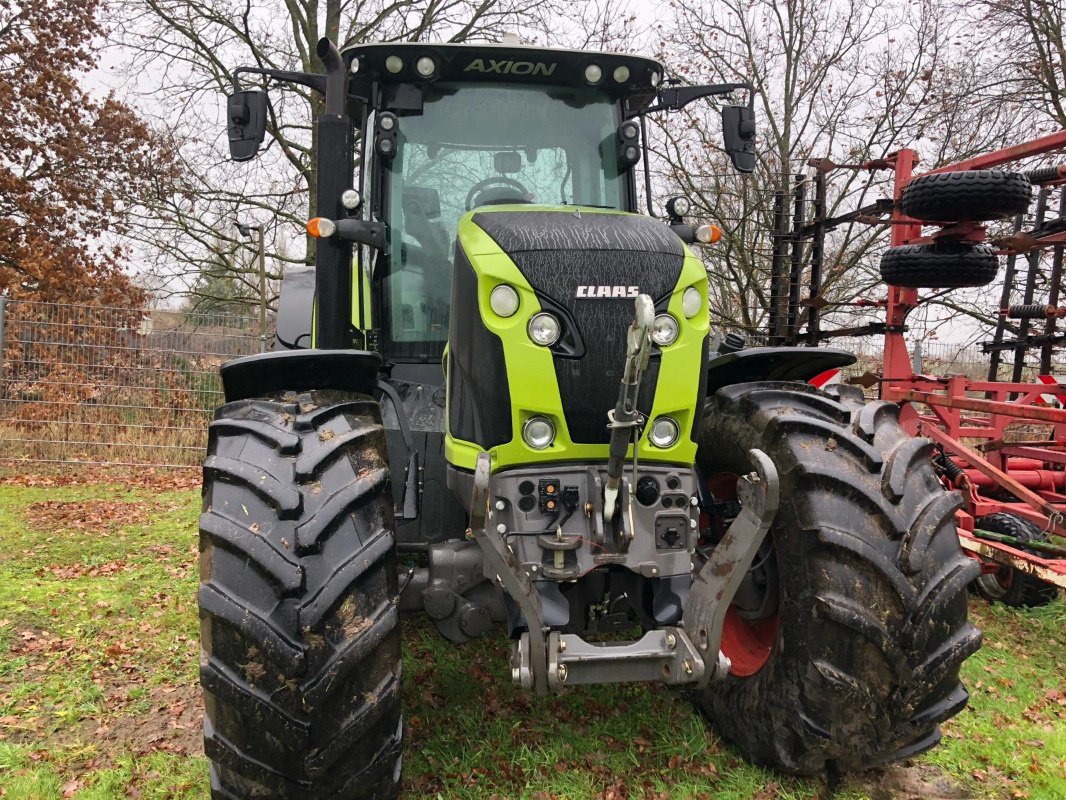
(943, 265)
(1011, 586)
(966, 196)
(299, 631)
(863, 660)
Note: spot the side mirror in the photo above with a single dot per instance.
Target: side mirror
(738, 131)
(246, 114)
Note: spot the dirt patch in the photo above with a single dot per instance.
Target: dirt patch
(158, 478)
(172, 723)
(52, 515)
(908, 781)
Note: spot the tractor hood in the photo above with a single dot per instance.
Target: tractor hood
(584, 266)
(589, 265)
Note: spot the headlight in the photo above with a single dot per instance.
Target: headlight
(664, 330)
(544, 329)
(503, 300)
(538, 432)
(664, 432)
(691, 302)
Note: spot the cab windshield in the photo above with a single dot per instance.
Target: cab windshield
(477, 145)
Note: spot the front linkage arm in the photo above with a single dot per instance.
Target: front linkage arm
(716, 583)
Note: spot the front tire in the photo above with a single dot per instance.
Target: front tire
(858, 661)
(299, 631)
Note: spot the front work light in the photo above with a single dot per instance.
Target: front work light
(538, 432)
(664, 432)
(426, 66)
(350, 199)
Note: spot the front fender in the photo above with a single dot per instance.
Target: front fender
(265, 374)
(773, 364)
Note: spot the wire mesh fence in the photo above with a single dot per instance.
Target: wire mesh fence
(92, 385)
(126, 387)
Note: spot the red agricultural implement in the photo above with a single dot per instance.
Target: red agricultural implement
(1001, 443)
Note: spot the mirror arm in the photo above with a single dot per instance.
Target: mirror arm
(676, 98)
(315, 82)
(310, 80)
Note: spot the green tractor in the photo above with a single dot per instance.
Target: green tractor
(497, 400)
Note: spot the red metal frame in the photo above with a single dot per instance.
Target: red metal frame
(948, 410)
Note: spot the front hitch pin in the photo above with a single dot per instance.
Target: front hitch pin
(624, 420)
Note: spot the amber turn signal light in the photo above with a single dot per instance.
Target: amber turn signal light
(708, 234)
(321, 228)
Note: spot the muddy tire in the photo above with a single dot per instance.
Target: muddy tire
(857, 660)
(299, 632)
(943, 265)
(1011, 586)
(967, 196)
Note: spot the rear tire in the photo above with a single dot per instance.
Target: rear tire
(966, 196)
(870, 626)
(1011, 586)
(299, 631)
(943, 265)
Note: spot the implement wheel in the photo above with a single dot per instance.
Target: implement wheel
(1008, 585)
(967, 196)
(846, 646)
(943, 265)
(300, 637)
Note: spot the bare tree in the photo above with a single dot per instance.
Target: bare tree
(850, 81)
(1028, 46)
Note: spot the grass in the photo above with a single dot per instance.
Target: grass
(98, 697)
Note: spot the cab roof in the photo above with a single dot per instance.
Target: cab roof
(634, 78)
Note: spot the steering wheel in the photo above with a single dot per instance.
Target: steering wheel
(495, 190)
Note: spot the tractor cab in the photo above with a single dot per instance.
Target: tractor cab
(453, 128)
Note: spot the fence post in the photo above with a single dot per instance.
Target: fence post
(3, 326)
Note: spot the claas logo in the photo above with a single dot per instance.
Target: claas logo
(608, 291)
